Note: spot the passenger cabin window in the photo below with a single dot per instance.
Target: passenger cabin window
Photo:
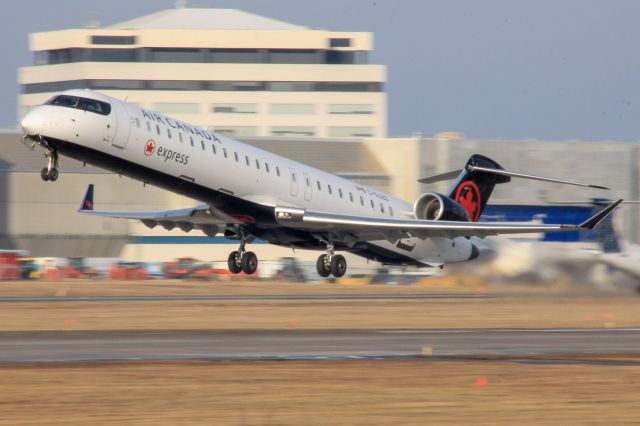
(340, 192)
(257, 164)
(351, 197)
(307, 181)
(390, 211)
(148, 127)
(277, 170)
(246, 159)
(85, 104)
(180, 137)
(329, 189)
(158, 129)
(169, 133)
(361, 201)
(319, 186)
(191, 140)
(213, 148)
(266, 167)
(381, 208)
(235, 154)
(373, 206)
(224, 151)
(137, 122)
(202, 144)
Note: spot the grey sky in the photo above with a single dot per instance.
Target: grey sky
(550, 69)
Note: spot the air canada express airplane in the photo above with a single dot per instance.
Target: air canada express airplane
(248, 193)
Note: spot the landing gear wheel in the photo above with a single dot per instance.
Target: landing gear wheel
(249, 262)
(44, 174)
(338, 265)
(321, 266)
(53, 175)
(234, 268)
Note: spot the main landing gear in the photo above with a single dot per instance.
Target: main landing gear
(331, 264)
(242, 261)
(51, 171)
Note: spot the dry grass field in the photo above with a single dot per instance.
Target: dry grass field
(320, 393)
(539, 308)
(473, 391)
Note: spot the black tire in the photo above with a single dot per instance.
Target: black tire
(44, 174)
(338, 265)
(53, 175)
(249, 262)
(321, 266)
(234, 268)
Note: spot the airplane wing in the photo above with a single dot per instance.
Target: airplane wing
(200, 217)
(371, 228)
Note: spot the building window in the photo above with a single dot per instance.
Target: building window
(243, 131)
(351, 132)
(235, 108)
(339, 42)
(293, 109)
(292, 131)
(177, 108)
(350, 109)
(113, 40)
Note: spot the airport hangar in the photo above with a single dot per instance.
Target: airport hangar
(42, 217)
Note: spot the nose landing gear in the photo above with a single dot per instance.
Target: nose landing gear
(51, 171)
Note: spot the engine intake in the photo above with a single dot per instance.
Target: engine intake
(435, 206)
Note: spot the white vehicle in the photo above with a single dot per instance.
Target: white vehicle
(249, 193)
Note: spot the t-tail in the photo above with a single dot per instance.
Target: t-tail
(475, 182)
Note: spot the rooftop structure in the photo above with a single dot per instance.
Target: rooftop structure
(233, 71)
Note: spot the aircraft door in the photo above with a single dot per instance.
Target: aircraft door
(293, 191)
(307, 187)
(123, 126)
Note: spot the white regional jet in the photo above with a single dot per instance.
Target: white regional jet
(248, 193)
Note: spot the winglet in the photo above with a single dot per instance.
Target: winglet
(87, 202)
(594, 220)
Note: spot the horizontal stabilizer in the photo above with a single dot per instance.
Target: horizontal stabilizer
(525, 176)
(441, 177)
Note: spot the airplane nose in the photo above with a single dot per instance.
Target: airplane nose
(31, 123)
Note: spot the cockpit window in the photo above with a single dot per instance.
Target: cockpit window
(84, 104)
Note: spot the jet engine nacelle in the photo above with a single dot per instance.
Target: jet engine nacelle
(435, 206)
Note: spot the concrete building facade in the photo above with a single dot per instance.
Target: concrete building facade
(232, 71)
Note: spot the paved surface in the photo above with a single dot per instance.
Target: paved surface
(293, 344)
(179, 297)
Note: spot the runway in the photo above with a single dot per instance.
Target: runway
(245, 297)
(299, 344)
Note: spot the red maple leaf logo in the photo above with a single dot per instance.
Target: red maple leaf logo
(468, 195)
(150, 147)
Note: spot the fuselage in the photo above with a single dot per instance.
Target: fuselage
(238, 179)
